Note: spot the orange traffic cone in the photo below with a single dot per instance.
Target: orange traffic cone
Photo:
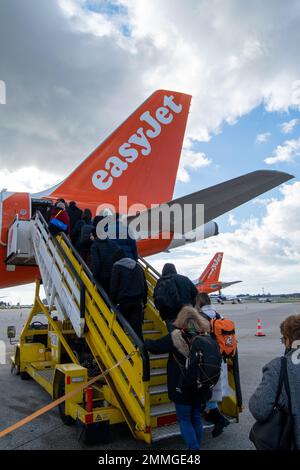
(259, 331)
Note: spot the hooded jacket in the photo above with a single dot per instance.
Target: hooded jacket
(186, 289)
(128, 282)
(177, 347)
(209, 312)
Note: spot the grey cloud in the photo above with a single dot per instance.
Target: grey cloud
(65, 90)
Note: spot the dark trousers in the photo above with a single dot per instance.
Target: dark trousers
(134, 314)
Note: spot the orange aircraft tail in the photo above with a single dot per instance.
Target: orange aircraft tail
(139, 159)
(212, 271)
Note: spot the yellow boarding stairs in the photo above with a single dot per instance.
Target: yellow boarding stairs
(85, 335)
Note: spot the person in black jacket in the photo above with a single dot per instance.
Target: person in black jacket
(187, 401)
(129, 290)
(103, 253)
(164, 299)
(83, 246)
(76, 232)
(74, 213)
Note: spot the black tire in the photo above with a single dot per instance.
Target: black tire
(24, 376)
(96, 433)
(67, 420)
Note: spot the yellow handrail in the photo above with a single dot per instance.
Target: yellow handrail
(109, 343)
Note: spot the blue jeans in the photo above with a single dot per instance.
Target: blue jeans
(190, 423)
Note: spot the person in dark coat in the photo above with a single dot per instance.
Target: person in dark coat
(262, 401)
(129, 290)
(103, 255)
(187, 402)
(83, 246)
(119, 232)
(74, 213)
(59, 213)
(76, 232)
(187, 293)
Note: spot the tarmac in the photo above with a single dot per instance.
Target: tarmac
(21, 398)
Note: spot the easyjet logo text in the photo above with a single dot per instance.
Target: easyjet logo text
(138, 144)
(215, 264)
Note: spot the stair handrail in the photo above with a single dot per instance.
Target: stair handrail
(131, 333)
(150, 268)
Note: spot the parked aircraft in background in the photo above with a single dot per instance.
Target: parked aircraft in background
(264, 300)
(209, 280)
(222, 299)
(138, 160)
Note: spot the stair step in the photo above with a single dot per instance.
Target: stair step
(47, 374)
(165, 432)
(158, 371)
(163, 409)
(172, 430)
(158, 361)
(158, 389)
(154, 357)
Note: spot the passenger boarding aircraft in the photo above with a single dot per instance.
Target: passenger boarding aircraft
(140, 160)
(209, 280)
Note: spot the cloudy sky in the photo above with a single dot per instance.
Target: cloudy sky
(74, 69)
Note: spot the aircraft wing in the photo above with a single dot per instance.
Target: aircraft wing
(222, 197)
(227, 284)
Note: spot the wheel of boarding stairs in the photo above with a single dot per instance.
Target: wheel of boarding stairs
(68, 420)
(96, 433)
(24, 376)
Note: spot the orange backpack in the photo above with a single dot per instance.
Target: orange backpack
(224, 332)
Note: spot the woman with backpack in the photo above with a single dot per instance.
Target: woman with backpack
(281, 377)
(221, 390)
(190, 379)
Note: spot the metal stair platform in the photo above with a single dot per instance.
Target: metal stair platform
(165, 408)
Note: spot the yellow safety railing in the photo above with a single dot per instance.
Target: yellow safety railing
(109, 342)
(110, 338)
(152, 277)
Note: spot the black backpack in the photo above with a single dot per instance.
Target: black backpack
(85, 235)
(203, 366)
(167, 297)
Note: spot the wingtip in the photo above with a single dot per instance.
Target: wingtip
(283, 174)
(288, 176)
(279, 174)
